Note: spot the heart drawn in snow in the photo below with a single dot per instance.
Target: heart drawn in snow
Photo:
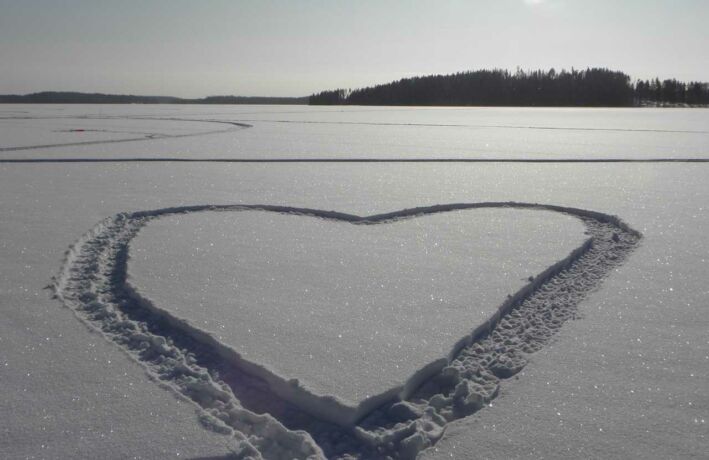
(337, 313)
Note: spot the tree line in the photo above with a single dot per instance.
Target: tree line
(593, 87)
(672, 92)
(68, 97)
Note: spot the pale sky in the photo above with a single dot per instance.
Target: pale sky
(294, 48)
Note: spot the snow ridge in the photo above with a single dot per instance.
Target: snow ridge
(89, 285)
(271, 418)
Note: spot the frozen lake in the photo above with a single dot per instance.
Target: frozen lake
(350, 132)
(351, 311)
(627, 378)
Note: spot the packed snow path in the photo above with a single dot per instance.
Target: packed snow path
(237, 400)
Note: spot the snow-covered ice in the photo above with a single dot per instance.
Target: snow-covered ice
(351, 311)
(19, 133)
(626, 379)
(364, 132)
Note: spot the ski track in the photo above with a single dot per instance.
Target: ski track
(232, 398)
(234, 125)
(457, 125)
(341, 159)
(246, 123)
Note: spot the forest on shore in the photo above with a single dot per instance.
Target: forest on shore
(593, 87)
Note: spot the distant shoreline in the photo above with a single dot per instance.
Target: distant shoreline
(70, 97)
(592, 87)
(52, 97)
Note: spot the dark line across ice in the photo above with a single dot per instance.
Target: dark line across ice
(350, 160)
(455, 125)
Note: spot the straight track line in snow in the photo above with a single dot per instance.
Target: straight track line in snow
(481, 126)
(351, 160)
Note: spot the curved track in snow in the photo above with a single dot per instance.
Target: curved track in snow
(269, 419)
(233, 126)
(244, 123)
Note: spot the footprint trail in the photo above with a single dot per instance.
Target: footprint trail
(234, 400)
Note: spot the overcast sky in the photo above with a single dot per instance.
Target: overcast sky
(293, 48)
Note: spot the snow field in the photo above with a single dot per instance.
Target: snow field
(626, 380)
(350, 311)
(362, 132)
(190, 361)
